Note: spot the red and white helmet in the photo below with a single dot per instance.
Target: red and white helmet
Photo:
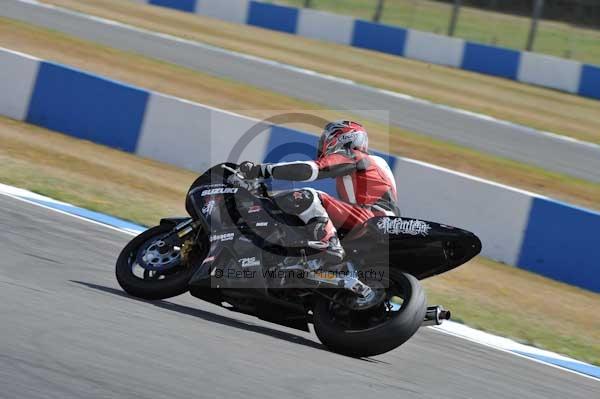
(342, 135)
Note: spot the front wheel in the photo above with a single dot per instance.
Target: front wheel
(148, 269)
(373, 331)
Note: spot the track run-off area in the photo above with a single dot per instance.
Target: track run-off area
(69, 331)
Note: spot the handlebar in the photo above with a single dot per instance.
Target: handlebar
(252, 185)
(234, 171)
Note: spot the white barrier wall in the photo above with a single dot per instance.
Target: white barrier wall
(227, 129)
(18, 73)
(181, 127)
(434, 48)
(496, 213)
(325, 26)
(193, 136)
(231, 10)
(548, 71)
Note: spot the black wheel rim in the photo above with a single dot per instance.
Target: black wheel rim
(167, 265)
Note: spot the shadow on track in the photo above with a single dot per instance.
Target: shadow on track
(224, 320)
(214, 318)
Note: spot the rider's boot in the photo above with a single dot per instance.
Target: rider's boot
(326, 241)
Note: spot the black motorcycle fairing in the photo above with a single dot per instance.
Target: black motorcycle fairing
(216, 176)
(234, 255)
(221, 205)
(415, 246)
(418, 247)
(173, 221)
(228, 250)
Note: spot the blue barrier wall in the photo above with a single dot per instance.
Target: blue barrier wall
(480, 58)
(181, 5)
(589, 85)
(272, 16)
(384, 38)
(87, 106)
(287, 145)
(491, 60)
(563, 242)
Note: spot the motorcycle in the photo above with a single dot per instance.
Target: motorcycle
(240, 251)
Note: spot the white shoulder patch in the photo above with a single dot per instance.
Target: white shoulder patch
(382, 164)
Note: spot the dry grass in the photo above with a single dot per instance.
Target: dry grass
(482, 293)
(90, 175)
(521, 305)
(185, 83)
(537, 107)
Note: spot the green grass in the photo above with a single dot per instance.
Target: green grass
(555, 38)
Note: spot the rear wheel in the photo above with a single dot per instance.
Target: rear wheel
(148, 268)
(378, 329)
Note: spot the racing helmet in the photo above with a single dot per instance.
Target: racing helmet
(342, 135)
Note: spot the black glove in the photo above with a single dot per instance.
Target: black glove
(250, 170)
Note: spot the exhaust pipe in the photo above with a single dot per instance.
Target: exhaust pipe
(435, 316)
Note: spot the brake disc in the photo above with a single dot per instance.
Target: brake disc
(156, 255)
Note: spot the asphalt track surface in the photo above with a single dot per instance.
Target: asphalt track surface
(68, 331)
(520, 143)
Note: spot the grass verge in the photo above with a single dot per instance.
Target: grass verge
(483, 294)
(561, 39)
(505, 99)
(181, 82)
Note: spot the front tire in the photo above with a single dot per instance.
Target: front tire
(172, 284)
(379, 338)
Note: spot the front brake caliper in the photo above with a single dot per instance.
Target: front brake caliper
(186, 249)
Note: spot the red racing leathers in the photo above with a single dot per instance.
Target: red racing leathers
(365, 185)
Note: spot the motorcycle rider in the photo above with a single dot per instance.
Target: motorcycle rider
(364, 183)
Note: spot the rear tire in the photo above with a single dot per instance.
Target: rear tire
(380, 338)
(174, 285)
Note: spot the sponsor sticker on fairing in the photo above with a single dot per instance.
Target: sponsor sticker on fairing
(403, 226)
(220, 190)
(208, 208)
(209, 259)
(254, 209)
(221, 237)
(248, 262)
